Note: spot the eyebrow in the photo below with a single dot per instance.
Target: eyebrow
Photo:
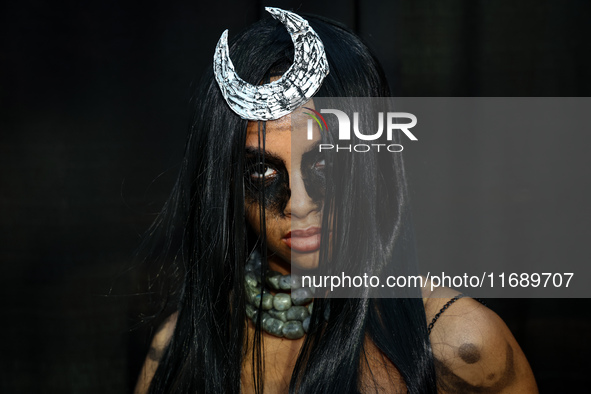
(252, 151)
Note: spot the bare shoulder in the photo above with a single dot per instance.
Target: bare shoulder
(474, 349)
(157, 347)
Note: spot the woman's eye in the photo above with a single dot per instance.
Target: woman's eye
(263, 172)
(319, 165)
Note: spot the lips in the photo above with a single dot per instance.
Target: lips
(303, 241)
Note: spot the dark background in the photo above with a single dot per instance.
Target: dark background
(94, 105)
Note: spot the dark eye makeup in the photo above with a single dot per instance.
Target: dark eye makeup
(313, 173)
(271, 176)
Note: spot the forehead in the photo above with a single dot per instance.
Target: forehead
(277, 133)
(284, 135)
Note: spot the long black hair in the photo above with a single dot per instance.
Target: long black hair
(203, 241)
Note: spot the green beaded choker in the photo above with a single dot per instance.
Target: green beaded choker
(283, 314)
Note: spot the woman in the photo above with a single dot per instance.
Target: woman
(253, 201)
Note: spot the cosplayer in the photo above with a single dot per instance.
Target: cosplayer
(250, 204)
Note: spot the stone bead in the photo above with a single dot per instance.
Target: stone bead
(281, 315)
(306, 324)
(297, 313)
(293, 330)
(310, 307)
(273, 279)
(250, 311)
(264, 317)
(273, 326)
(267, 301)
(252, 293)
(301, 296)
(285, 282)
(252, 268)
(256, 315)
(251, 280)
(257, 300)
(257, 275)
(255, 258)
(282, 301)
(296, 282)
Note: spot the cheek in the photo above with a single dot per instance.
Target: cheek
(314, 176)
(315, 184)
(272, 219)
(252, 215)
(275, 225)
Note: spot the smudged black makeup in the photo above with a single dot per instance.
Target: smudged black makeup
(313, 168)
(269, 172)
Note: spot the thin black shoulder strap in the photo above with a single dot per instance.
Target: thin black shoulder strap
(447, 305)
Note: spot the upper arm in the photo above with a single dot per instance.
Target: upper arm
(159, 343)
(475, 351)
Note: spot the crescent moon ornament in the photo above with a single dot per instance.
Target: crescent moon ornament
(276, 99)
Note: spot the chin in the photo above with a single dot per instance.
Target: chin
(304, 261)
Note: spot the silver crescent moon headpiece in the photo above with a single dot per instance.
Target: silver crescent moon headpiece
(279, 98)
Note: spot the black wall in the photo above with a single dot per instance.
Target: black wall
(93, 113)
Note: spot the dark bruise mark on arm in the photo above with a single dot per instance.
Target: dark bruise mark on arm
(469, 353)
(452, 383)
(155, 354)
(161, 339)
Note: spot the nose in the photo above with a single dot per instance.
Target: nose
(300, 204)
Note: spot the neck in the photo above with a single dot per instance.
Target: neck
(278, 264)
